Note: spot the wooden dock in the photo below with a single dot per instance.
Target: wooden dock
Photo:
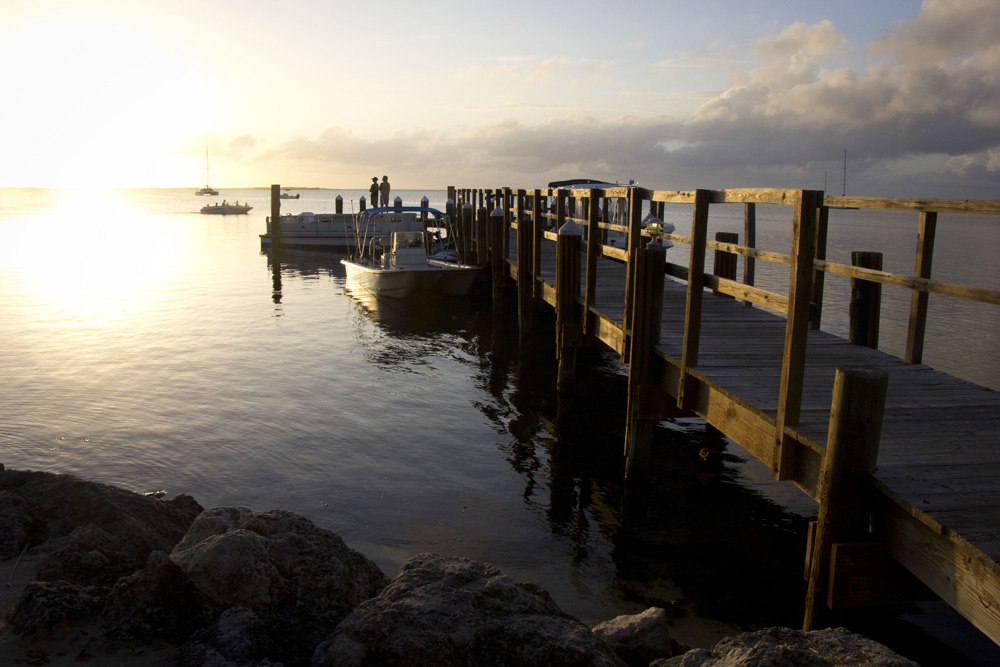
(903, 460)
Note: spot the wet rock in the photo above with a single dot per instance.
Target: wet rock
(783, 647)
(641, 638)
(47, 604)
(15, 523)
(57, 504)
(454, 611)
(299, 579)
(156, 601)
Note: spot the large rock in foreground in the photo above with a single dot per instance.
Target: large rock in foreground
(453, 611)
(783, 647)
(129, 524)
(272, 570)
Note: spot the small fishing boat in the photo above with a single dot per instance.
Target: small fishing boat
(409, 262)
(226, 208)
(289, 195)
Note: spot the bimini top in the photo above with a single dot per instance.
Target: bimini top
(582, 182)
(371, 212)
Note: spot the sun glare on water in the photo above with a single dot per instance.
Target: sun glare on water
(89, 261)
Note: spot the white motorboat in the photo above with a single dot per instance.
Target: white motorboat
(404, 264)
(343, 232)
(226, 209)
(289, 195)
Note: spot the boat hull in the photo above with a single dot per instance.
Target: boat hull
(391, 283)
(225, 210)
(435, 278)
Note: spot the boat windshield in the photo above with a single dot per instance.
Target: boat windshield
(407, 240)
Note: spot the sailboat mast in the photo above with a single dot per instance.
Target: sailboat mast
(844, 193)
(208, 171)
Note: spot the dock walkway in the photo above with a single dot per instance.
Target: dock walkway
(921, 518)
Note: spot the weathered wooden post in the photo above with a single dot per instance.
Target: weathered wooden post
(568, 333)
(525, 262)
(482, 236)
(465, 234)
(275, 218)
(845, 492)
(750, 241)
(693, 302)
(339, 205)
(819, 277)
(635, 241)
(497, 231)
(918, 301)
(646, 315)
(725, 262)
(594, 237)
(397, 202)
(866, 301)
(362, 203)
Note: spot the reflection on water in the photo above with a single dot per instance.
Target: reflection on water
(404, 427)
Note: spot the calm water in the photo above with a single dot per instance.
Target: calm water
(148, 346)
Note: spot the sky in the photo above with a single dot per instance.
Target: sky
(675, 95)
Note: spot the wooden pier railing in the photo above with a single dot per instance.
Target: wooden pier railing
(904, 461)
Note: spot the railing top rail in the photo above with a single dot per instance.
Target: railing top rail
(982, 206)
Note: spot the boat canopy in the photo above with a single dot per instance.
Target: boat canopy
(382, 210)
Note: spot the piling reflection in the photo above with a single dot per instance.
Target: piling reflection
(696, 540)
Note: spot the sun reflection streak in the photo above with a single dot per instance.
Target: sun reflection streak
(90, 260)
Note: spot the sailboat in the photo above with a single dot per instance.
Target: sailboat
(207, 190)
(844, 187)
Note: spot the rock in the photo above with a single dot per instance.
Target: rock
(239, 637)
(88, 556)
(46, 604)
(58, 504)
(454, 611)
(299, 579)
(15, 523)
(157, 601)
(783, 647)
(641, 638)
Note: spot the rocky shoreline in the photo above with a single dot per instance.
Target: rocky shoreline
(95, 573)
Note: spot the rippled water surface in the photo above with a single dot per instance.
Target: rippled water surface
(149, 346)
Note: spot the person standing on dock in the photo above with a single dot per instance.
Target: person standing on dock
(383, 189)
(373, 191)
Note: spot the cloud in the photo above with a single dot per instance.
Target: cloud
(913, 125)
(549, 68)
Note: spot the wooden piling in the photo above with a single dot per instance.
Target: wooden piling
(750, 241)
(796, 329)
(339, 205)
(866, 301)
(465, 234)
(692, 313)
(725, 262)
(918, 301)
(845, 493)
(646, 320)
(497, 260)
(275, 218)
(525, 259)
(819, 276)
(569, 334)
